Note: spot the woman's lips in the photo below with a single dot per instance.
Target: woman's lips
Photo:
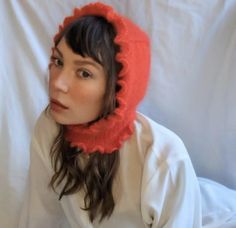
(57, 106)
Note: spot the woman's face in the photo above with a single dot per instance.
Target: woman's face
(76, 86)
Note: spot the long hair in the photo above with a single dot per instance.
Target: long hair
(89, 36)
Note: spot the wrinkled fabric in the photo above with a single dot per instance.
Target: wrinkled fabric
(155, 185)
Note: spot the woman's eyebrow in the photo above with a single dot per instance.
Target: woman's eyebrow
(81, 61)
(59, 52)
(87, 62)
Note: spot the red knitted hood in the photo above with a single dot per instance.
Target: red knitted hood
(107, 135)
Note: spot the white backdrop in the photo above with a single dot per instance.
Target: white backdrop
(192, 89)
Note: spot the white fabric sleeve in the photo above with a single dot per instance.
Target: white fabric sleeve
(41, 206)
(171, 195)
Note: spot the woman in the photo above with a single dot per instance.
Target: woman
(95, 161)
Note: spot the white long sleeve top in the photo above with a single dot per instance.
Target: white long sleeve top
(155, 185)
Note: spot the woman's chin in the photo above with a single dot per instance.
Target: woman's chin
(58, 117)
(62, 118)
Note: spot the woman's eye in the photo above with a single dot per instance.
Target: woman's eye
(84, 74)
(56, 61)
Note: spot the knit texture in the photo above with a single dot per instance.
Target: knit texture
(108, 134)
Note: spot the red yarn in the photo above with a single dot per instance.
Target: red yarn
(108, 135)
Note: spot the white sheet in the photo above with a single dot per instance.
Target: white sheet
(192, 88)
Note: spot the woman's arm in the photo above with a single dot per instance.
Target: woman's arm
(41, 207)
(170, 195)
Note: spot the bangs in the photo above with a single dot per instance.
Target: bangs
(91, 36)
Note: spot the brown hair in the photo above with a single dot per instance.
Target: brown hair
(89, 36)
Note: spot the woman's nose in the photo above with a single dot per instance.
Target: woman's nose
(62, 82)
